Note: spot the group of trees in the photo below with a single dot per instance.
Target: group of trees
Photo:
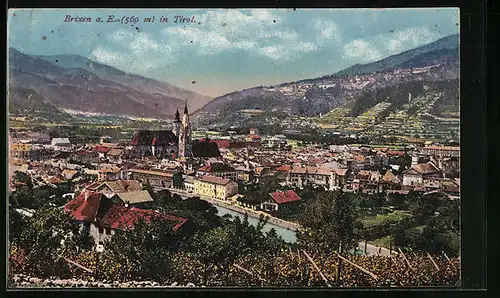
(201, 214)
(36, 243)
(34, 197)
(432, 225)
(329, 224)
(232, 240)
(435, 225)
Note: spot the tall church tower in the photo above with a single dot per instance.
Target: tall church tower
(185, 141)
(177, 123)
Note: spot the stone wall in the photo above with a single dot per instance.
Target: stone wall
(24, 281)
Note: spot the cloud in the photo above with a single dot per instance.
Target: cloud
(106, 56)
(132, 51)
(377, 47)
(360, 51)
(326, 30)
(280, 52)
(409, 38)
(258, 31)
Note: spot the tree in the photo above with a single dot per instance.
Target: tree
(144, 251)
(211, 248)
(48, 233)
(425, 206)
(272, 245)
(177, 180)
(22, 197)
(22, 178)
(329, 224)
(344, 222)
(399, 201)
(163, 198)
(223, 245)
(147, 186)
(17, 223)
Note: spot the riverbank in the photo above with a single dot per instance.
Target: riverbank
(286, 225)
(243, 210)
(256, 214)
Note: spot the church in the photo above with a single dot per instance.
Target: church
(170, 144)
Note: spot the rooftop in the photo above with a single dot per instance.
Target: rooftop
(120, 186)
(115, 152)
(135, 197)
(451, 148)
(149, 172)
(287, 196)
(157, 138)
(215, 180)
(101, 149)
(92, 206)
(311, 170)
(423, 168)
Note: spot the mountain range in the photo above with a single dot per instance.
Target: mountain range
(74, 83)
(434, 62)
(63, 84)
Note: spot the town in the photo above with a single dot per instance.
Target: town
(111, 185)
(215, 169)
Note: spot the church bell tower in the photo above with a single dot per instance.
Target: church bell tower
(185, 141)
(177, 123)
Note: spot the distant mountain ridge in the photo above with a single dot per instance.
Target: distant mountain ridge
(195, 100)
(418, 57)
(316, 96)
(78, 83)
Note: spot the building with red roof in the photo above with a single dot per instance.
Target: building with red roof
(161, 143)
(101, 217)
(417, 173)
(157, 178)
(285, 168)
(328, 178)
(101, 149)
(279, 198)
(111, 172)
(254, 131)
(254, 138)
(395, 153)
(218, 169)
(220, 143)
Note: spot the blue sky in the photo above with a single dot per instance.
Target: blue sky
(228, 50)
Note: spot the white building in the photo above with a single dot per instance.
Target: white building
(61, 144)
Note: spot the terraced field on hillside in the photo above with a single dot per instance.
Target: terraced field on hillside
(413, 118)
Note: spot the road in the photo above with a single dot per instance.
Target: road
(370, 249)
(374, 250)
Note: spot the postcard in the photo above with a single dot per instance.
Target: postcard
(246, 148)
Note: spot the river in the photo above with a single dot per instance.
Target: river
(287, 235)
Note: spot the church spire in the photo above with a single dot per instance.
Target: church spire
(177, 116)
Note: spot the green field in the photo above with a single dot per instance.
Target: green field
(382, 242)
(394, 216)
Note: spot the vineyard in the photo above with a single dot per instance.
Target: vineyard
(287, 268)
